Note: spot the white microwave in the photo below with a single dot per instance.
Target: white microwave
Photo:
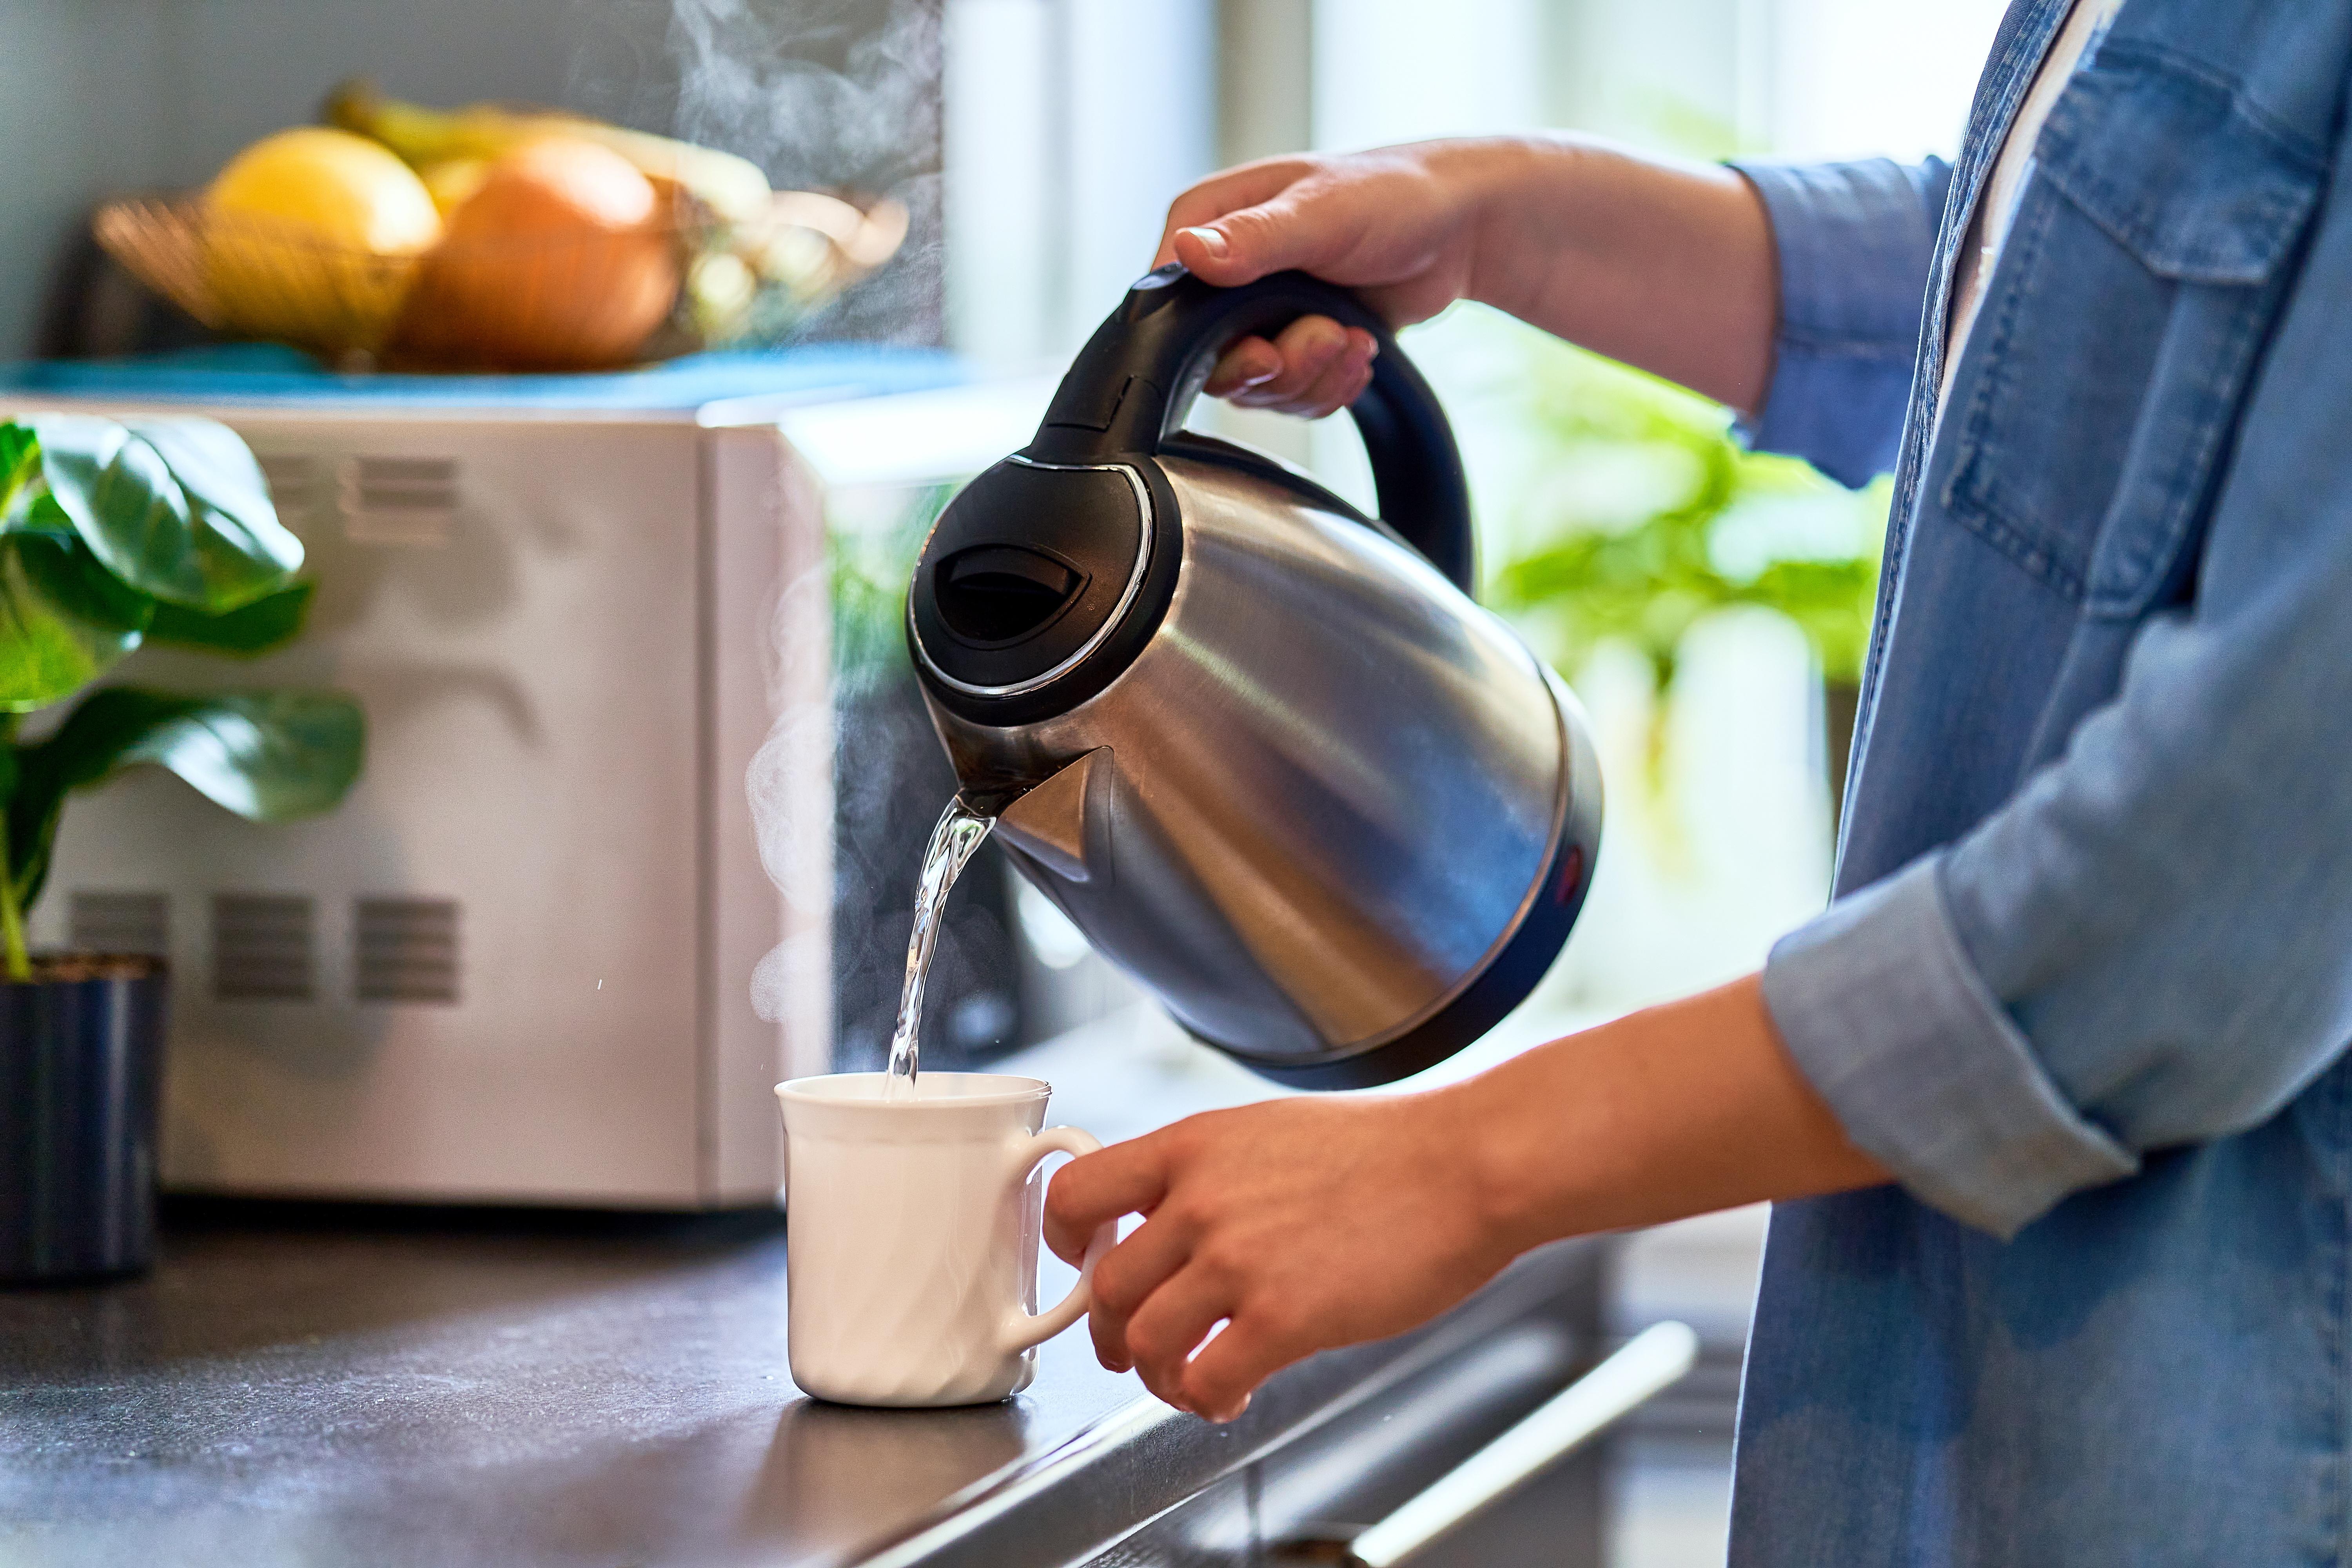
(514, 966)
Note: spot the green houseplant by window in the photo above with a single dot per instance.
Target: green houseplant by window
(1649, 515)
(113, 535)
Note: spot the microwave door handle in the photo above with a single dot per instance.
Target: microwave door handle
(1645, 1365)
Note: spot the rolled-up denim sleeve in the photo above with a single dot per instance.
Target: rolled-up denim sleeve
(2150, 944)
(1854, 242)
(1889, 1017)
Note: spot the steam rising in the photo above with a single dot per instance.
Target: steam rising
(829, 95)
(793, 833)
(843, 96)
(815, 91)
(888, 777)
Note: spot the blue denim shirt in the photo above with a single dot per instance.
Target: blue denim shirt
(2087, 988)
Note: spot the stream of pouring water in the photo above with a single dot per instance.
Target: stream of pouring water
(960, 832)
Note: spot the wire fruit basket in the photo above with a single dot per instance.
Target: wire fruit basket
(554, 303)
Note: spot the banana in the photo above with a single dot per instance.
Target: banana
(734, 188)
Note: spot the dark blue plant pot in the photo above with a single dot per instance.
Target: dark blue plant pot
(80, 1063)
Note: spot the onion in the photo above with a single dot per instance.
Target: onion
(563, 259)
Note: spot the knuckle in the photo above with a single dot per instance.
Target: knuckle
(1275, 1317)
(1187, 1212)
(1251, 222)
(1115, 1293)
(1225, 1260)
(1150, 1342)
(1315, 335)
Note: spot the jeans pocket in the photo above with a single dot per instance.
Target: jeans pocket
(2122, 325)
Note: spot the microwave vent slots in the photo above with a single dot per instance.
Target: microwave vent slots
(293, 482)
(120, 922)
(262, 948)
(408, 949)
(397, 501)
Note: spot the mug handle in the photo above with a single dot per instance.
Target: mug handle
(1025, 1330)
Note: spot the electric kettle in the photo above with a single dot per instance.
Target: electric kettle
(1262, 750)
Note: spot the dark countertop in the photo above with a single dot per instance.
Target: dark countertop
(348, 1384)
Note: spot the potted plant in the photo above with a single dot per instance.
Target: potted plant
(113, 535)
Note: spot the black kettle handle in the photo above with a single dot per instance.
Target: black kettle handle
(1132, 384)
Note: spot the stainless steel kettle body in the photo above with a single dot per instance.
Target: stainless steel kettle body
(1266, 752)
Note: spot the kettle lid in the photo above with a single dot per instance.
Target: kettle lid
(1034, 573)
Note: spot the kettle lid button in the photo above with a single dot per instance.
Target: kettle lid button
(1028, 572)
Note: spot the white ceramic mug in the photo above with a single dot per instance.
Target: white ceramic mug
(912, 1234)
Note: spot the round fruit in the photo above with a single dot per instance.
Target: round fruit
(452, 180)
(563, 258)
(312, 234)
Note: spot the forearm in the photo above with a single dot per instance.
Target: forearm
(1662, 264)
(1676, 1110)
(1304, 1224)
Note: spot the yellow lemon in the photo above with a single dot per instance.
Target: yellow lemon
(313, 235)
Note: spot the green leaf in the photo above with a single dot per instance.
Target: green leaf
(78, 581)
(45, 516)
(20, 465)
(265, 623)
(177, 508)
(270, 756)
(64, 619)
(265, 755)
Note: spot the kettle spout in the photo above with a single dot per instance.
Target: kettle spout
(1056, 823)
